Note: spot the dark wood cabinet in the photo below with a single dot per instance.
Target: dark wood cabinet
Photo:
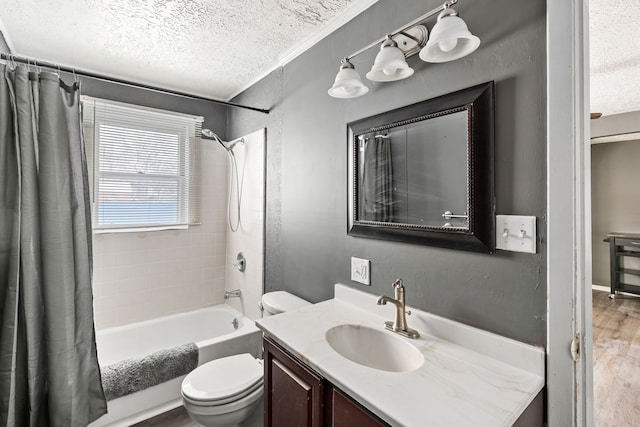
(295, 396)
(347, 413)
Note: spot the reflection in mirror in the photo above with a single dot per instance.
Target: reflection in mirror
(415, 173)
(424, 173)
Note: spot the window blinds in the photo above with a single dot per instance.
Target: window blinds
(145, 163)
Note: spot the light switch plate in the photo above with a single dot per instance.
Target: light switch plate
(516, 233)
(360, 270)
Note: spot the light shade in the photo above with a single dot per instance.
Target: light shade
(390, 64)
(450, 39)
(347, 83)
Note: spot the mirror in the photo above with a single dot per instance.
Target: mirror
(424, 173)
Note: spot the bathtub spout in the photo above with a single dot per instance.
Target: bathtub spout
(236, 293)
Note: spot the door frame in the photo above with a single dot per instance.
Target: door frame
(569, 384)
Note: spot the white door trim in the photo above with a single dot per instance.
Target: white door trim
(569, 384)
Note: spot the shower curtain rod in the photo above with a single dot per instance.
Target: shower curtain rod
(9, 57)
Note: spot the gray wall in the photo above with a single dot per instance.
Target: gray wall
(307, 248)
(615, 202)
(4, 47)
(214, 114)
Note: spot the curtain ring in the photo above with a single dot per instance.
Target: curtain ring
(76, 79)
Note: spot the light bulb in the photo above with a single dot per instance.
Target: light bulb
(389, 71)
(448, 45)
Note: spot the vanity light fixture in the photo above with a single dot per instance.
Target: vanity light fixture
(450, 40)
(390, 64)
(347, 83)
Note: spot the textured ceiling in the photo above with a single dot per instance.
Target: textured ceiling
(212, 48)
(216, 48)
(615, 55)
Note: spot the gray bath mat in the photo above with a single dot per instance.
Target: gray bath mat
(138, 373)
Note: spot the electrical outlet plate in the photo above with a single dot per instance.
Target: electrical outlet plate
(360, 270)
(516, 233)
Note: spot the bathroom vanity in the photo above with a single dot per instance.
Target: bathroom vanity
(298, 396)
(333, 363)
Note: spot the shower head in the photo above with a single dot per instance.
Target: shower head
(208, 134)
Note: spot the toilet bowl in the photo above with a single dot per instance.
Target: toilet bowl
(225, 392)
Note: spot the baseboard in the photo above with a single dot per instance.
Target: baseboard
(608, 290)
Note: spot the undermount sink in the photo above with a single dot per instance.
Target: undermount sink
(375, 348)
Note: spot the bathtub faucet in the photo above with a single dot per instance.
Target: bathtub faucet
(232, 294)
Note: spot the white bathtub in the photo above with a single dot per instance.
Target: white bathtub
(210, 328)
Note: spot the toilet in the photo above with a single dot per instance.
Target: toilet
(226, 391)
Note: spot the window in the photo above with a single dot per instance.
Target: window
(145, 173)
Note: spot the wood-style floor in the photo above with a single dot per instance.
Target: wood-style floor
(616, 370)
(616, 360)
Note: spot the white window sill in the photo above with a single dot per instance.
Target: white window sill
(140, 229)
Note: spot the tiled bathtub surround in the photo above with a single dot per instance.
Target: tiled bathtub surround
(249, 239)
(139, 276)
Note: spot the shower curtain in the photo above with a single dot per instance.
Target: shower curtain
(377, 180)
(49, 374)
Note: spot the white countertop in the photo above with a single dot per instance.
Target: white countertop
(469, 377)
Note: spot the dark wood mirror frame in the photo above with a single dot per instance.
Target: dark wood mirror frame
(479, 236)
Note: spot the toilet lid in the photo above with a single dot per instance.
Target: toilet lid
(280, 301)
(224, 378)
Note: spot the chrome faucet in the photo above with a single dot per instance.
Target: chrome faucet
(230, 294)
(399, 325)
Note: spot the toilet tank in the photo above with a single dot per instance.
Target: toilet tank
(280, 301)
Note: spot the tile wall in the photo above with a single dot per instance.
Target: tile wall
(249, 239)
(139, 276)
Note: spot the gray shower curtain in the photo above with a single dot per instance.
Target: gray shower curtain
(377, 180)
(49, 374)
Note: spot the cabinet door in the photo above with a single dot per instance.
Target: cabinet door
(346, 413)
(293, 394)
